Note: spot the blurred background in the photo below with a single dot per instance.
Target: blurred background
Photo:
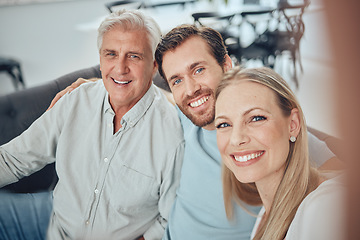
(50, 38)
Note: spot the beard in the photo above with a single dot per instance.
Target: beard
(200, 118)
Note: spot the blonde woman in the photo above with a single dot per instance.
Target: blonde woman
(262, 138)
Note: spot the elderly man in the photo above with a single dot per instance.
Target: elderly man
(117, 143)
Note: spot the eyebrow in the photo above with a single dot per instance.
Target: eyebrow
(245, 113)
(253, 109)
(136, 53)
(191, 66)
(130, 52)
(107, 50)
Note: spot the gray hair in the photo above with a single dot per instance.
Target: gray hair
(131, 20)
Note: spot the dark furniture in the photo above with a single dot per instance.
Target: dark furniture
(137, 4)
(13, 68)
(17, 112)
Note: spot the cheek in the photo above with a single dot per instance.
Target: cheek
(222, 142)
(275, 138)
(146, 67)
(215, 79)
(105, 67)
(176, 92)
(271, 133)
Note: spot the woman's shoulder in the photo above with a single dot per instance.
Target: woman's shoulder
(321, 214)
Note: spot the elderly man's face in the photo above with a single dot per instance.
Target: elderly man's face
(127, 66)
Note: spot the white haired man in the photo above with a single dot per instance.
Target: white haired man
(117, 144)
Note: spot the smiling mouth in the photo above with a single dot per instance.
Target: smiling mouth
(248, 157)
(121, 82)
(199, 102)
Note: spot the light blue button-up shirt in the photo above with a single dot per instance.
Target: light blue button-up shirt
(111, 186)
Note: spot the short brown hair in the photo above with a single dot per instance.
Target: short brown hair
(180, 34)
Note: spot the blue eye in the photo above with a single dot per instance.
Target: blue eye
(258, 118)
(199, 70)
(134, 56)
(177, 81)
(222, 125)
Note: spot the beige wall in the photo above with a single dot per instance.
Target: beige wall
(344, 18)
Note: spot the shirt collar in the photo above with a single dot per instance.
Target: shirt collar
(137, 111)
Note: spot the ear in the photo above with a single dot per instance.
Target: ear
(155, 68)
(100, 63)
(294, 125)
(227, 63)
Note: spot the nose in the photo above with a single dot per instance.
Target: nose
(121, 66)
(239, 136)
(192, 86)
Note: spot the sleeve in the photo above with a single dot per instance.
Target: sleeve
(320, 216)
(33, 149)
(319, 153)
(167, 194)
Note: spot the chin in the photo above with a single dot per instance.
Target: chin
(244, 177)
(242, 180)
(201, 120)
(202, 123)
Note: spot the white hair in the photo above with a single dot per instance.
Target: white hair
(131, 20)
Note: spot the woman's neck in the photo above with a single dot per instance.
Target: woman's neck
(267, 188)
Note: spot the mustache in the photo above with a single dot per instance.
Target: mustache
(198, 93)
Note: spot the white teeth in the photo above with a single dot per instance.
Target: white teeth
(121, 82)
(199, 102)
(248, 157)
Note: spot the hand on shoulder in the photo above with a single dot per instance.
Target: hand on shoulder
(69, 89)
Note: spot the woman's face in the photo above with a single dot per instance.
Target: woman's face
(252, 132)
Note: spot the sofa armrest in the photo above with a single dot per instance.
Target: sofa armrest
(20, 109)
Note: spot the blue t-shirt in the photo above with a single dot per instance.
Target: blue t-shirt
(199, 212)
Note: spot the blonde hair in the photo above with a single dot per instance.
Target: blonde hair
(299, 178)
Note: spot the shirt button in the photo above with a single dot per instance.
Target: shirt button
(96, 191)
(109, 125)
(106, 159)
(87, 222)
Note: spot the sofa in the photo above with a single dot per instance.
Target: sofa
(17, 112)
(19, 109)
